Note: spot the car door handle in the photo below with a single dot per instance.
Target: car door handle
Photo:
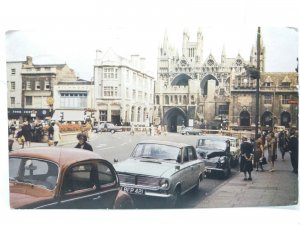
(97, 198)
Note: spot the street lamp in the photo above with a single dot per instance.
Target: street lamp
(255, 74)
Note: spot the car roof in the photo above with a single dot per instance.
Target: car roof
(217, 137)
(175, 144)
(60, 155)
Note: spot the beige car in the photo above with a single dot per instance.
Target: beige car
(63, 178)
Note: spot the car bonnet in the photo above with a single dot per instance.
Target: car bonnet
(148, 167)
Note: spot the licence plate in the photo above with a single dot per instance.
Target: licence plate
(131, 190)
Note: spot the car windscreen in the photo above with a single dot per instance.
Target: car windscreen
(211, 144)
(33, 171)
(156, 151)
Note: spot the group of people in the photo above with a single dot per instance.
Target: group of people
(253, 151)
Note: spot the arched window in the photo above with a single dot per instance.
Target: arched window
(157, 99)
(244, 118)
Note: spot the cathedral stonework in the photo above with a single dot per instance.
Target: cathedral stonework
(193, 90)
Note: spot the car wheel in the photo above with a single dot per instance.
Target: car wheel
(173, 202)
(112, 131)
(197, 187)
(187, 133)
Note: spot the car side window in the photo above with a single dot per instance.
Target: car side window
(185, 155)
(79, 178)
(191, 154)
(105, 175)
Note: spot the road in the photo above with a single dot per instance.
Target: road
(120, 145)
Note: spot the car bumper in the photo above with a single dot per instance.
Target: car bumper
(145, 191)
(212, 171)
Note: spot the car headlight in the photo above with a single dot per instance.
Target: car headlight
(164, 183)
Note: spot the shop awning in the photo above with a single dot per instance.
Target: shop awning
(69, 115)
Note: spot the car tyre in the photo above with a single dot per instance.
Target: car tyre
(173, 202)
(197, 187)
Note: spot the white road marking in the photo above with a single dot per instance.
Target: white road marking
(101, 145)
(106, 148)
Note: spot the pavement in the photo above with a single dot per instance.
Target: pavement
(267, 189)
(278, 188)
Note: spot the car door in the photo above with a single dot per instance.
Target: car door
(194, 164)
(79, 189)
(186, 170)
(108, 185)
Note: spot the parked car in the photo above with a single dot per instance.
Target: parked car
(63, 178)
(107, 127)
(216, 155)
(161, 169)
(190, 130)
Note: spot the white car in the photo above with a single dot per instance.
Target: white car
(161, 169)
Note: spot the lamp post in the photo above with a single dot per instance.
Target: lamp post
(255, 74)
(257, 83)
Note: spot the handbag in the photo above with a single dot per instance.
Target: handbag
(263, 160)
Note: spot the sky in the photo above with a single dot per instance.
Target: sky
(78, 48)
(72, 31)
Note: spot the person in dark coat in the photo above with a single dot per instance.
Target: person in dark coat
(246, 158)
(294, 151)
(82, 142)
(26, 131)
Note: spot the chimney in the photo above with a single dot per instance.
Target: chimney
(99, 56)
(29, 60)
(142, 64)
(135, 61)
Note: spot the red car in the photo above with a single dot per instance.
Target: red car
(64, 178)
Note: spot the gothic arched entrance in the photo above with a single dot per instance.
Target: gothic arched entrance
(285, 119)
(267, 119)
(244, 118)
(181, 80)
(174, 117)
(204, 83)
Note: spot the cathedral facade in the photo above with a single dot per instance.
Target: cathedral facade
(194, 90)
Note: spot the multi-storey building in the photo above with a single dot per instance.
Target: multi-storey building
(191, 89)
(14, 89)
(74, 100)
(123, 90)
(278, 101)
(37, 82)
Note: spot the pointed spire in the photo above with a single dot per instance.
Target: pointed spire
(223, 51)
(165, 44)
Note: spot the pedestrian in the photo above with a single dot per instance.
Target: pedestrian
(132, 129)
(282, 143)
(246, 158)
(272, 148)
(82, 142)
(26, 131)
(50, 131)
(293, 149)
(56, 133)
(10, 144)
(20, 138)
(258, 154)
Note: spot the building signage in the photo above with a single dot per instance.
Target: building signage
(293, 101)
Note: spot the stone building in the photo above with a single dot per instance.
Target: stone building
(123, 90)
(192, 89)
(73, 100)
(278, 101)
(35, 91)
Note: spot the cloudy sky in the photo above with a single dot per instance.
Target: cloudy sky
(78, 47)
